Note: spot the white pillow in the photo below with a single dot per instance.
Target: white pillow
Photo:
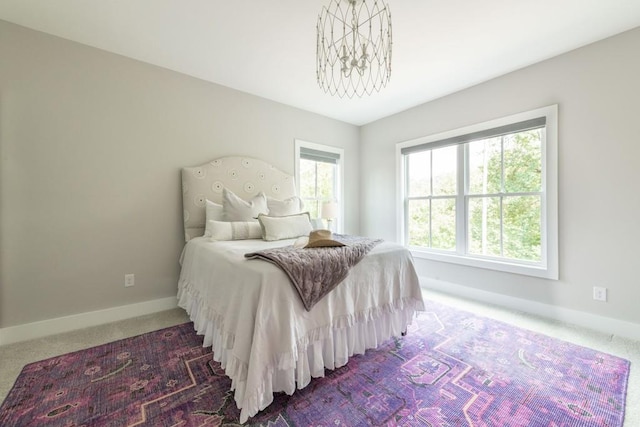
(236, 209)
(291, 206)
(284, 227)
(213, 211)
(234, 230)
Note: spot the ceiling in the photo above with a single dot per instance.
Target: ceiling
(267, 48)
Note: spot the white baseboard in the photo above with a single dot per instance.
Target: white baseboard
(58, 325)
(592, 321)
(603, 324)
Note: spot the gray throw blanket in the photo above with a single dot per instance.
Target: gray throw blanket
(315, 272)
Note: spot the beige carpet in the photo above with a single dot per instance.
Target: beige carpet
(14, 356)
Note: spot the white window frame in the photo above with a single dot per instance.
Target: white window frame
(548, 266)
(339, 185)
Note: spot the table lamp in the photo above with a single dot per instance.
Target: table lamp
(329, 212)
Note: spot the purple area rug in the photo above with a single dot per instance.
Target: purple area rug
(454, 368)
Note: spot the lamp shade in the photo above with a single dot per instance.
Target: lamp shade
(329, 210)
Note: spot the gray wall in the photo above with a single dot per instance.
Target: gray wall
(597, 89)
(91, 145)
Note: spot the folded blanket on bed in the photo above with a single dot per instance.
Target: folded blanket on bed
(314, 272)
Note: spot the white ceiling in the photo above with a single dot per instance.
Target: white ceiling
(267, 48)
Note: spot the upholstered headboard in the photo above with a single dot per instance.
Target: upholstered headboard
(245, 176)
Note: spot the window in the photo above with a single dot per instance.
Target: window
(484, 195)
(318, 174)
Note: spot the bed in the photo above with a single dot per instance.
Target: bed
(248, 310)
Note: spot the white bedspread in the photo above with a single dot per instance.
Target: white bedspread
(262, 335)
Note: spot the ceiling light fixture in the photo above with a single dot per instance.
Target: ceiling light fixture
(354, 47)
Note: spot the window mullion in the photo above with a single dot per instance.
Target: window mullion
(335, 183)
(430, 198)
(315, 180)
(502, 191)
(430, 223)
(405, 212)
(501, 226)
(461, 202)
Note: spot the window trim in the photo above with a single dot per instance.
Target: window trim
(298, 144)
(548, 268)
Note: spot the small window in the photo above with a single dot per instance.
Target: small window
(485, 195)
(318, 175)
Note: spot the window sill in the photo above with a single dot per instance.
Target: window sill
(533, 270)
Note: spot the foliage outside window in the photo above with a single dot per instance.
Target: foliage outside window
(318, 174)
(485, 195)
(317, 184)
(432, 198)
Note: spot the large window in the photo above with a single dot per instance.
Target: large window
(318, 175)
(485, 195)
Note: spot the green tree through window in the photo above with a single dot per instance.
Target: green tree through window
(319, 170)
(317, 184)
(485, 195)
(504, 198)
(432, 193)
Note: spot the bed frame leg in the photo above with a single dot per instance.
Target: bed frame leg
(403, 333)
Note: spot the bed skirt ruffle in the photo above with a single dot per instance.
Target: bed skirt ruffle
(327, 347)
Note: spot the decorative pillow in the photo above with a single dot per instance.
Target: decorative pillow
(291, 206)
(213, 211)
(284, 227)
(234, 230)
(236, 209)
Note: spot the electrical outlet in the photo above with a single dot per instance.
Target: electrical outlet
(599, 294)
(129, 280)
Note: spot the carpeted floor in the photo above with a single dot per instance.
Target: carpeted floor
(454, 368)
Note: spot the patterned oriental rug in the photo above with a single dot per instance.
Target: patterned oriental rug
(453, 368)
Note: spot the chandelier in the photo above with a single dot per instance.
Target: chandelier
(354, 47)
